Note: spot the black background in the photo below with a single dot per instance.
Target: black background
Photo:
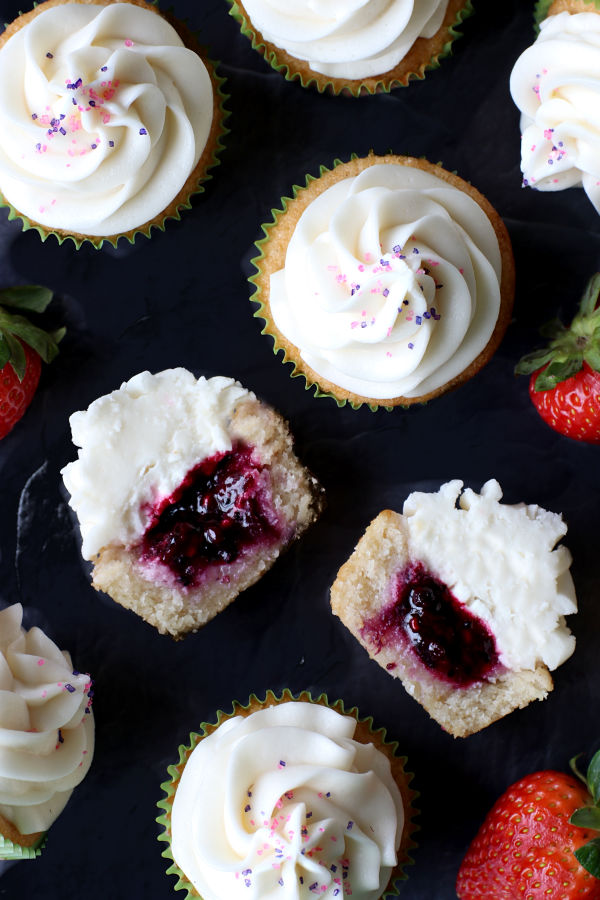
(181, 299)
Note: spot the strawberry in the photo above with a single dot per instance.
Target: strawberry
(22, 348)
(564, 382)
(535, 842)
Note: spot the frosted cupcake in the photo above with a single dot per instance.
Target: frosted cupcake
(186, 490)
(109, 119)
(385, 281)
(464, 599)
(555, 83)
(357, 48)
(292, 794)
(46, 734)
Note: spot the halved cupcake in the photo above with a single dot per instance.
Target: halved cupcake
(186, 491)
(463, 598)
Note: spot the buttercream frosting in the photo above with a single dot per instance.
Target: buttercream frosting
(103, 116)
(138, 443)
(391, 283)
(556, 85)
(285, 803)
(46, 725)
(502, 562)
(347, 38)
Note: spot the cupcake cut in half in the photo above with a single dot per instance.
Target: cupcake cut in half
(386, 281)
(46, 734)
(555, 84)
(289, 795)
(463, 598)
(109, 119)
(355, 48)
(186, 491)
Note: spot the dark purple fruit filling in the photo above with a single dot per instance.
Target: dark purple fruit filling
(455, 645)
(222, 508)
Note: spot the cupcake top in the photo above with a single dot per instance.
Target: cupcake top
(46, 725)
(392, 281)
(501, 562)
(286, 799)
(138, 443)
(355, 40)
(555, 84)
(104, 114)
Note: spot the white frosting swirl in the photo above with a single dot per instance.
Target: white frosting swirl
(347, 38)
(556, 85)
(284, 803)
(103, 116)
(46, 725)
(138, 444)
(391, 284)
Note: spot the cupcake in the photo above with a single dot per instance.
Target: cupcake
(46, 734)
(109, 119)
(186, 491)
(292, 794)
(372, 47)
(464, 603)
(385, 281)
(555, 85)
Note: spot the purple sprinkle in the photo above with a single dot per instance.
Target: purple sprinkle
(313, 886)
(384, 262)
(249, 793)
(550, 162)
(62, 131)
(411, 346)
(247, 872)
(281, 762)
(93, 146)
(385, 294)
(92, 102)
(525, 183)
(308, 815)
(70, 688)
(247, 808)
(247, 882)
(560, 144)
(76, 673)
(62, 116)
(104, 68)
(61, 739)
(415, 250)
(351, 823)
(397, 248)
(405, 302)
(34, 115)
(328, 794)
(74, 101)
(333, 868)
(427, 315)
(280, 882)
(49, 55)
(401, 256)
(434, 314)
(418, 320)
(363, 324)
(438, 286)
(111, 143)
(301, 879)
(143, 131)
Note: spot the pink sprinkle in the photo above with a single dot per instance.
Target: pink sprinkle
(361, 268)
(128, 42)
(44, 693)
(41, 662)
(387, 354)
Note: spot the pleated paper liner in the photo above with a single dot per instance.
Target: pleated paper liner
(196, 180)
(425, 54)
(365, 733)
(271, 258)
(545, 8)
(31, 847)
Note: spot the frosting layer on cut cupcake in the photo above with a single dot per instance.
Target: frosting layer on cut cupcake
(502, 563)
(391, 284)
(46, 725)
(103, 116)
(556, 85)
(347, 38)
(137, 445)
(285, 800)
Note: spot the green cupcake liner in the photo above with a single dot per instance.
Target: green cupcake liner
(97, 241)
(12, 851)
(409, 795)
(379, 84)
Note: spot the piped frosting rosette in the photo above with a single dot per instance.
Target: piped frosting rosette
(395, 284)
(46, 731)
(287, 797)
(107, 121)
(556, 85)
(355, 46)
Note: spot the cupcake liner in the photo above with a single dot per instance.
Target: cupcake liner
(12, 851)
(542, 8)
(408, 69)
(194, 184)
(365, 732)
(291, 354)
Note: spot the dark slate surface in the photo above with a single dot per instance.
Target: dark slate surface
(182, 300)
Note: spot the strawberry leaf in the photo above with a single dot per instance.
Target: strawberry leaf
(590, 295)
(591, 354)
(586, 817)
(42, 342)
(593, 777)
(531, 362)
(589, 857)
(552, 329)
(17, 355)
(31, 297)
(4, 352)
(558, 371)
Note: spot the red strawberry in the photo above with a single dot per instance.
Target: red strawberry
(22, 347)
(565, 376)
(533, 844)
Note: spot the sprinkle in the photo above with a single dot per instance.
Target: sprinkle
(70, 688)
(92, 102)
(61, 739)
(128, 42)
(111, 143)
(62, 131)
(247, 808)
(41, 662)
(34, 115)
(418, 320)
(143, 131)
(93, 146)
(281, 764)
(104, 68)
(415, 249)
(385, 292)
(405, 302)
(49, 55)
(351, 823)
(411, 346)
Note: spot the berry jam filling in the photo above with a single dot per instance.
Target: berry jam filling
(222, 508)
(455, 645)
